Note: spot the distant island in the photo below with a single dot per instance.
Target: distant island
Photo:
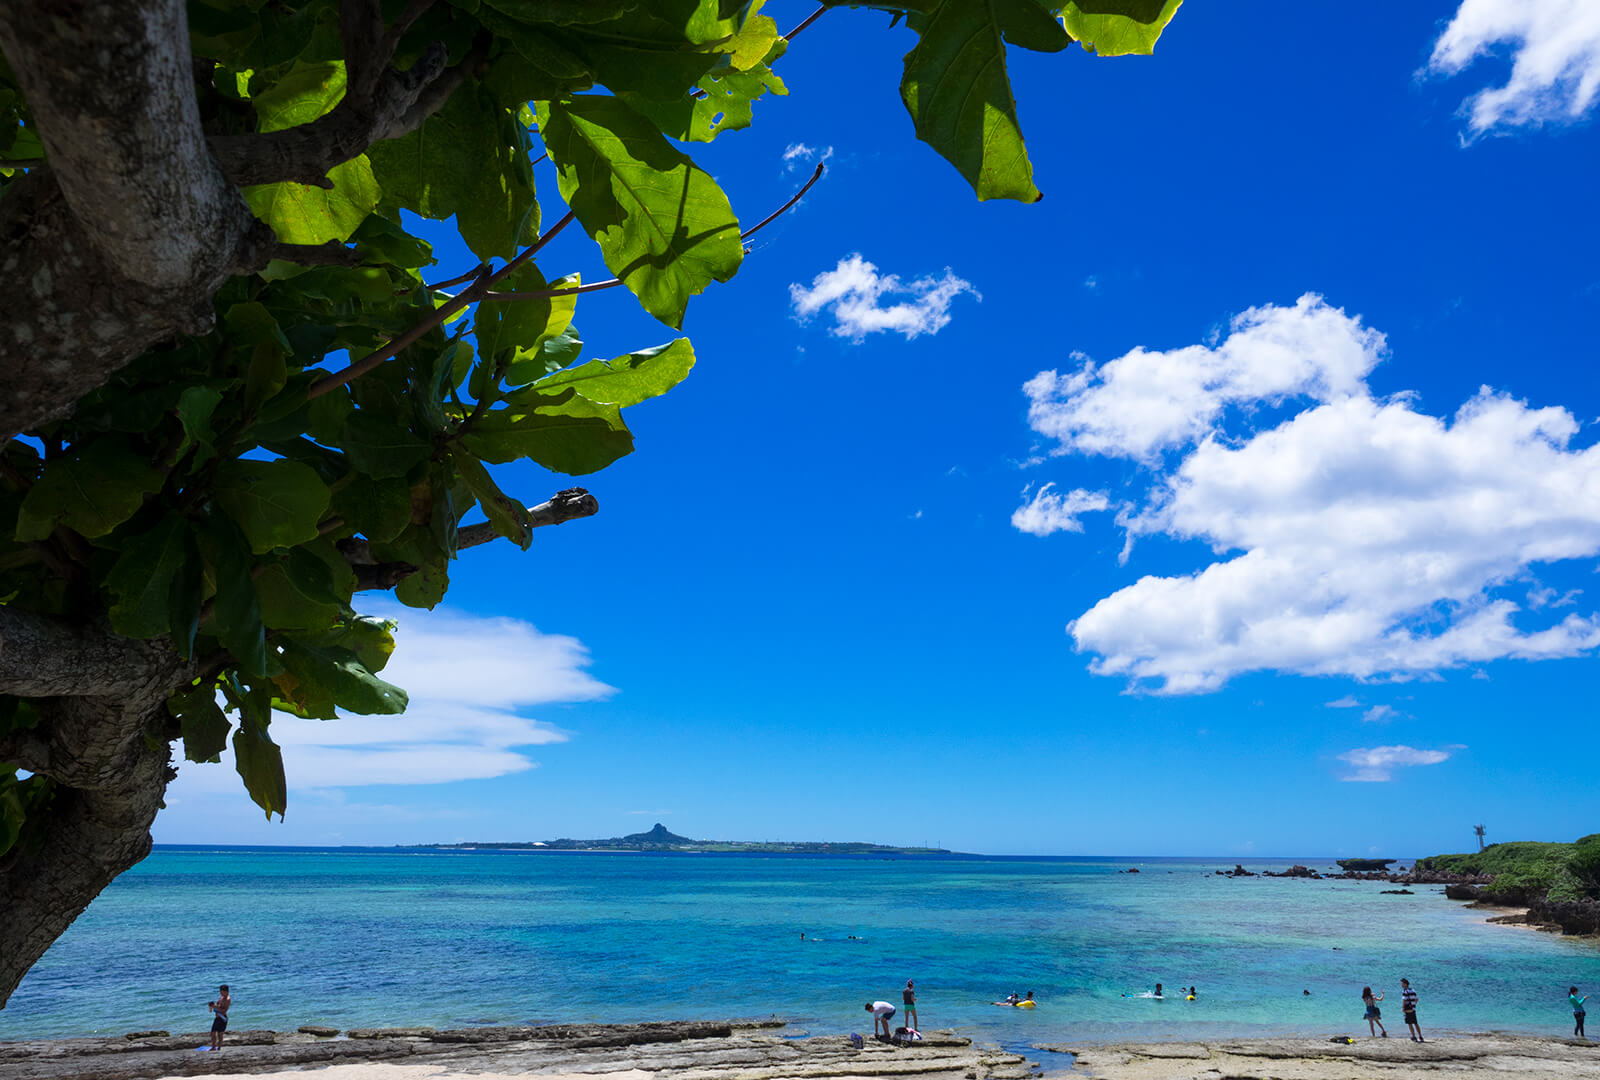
(661, 838)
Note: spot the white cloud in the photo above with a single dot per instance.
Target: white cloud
(1145, 402)
(1378, 763)
(1346, 702)
(468, 678)
(1360, 538)
(798, 154)
(1379, 714)
(856, 294)
(1555, 67)
(1048, 512)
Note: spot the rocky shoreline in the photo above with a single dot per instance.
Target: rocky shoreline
(1491, 1055)
(687, 1050)
(1518, 906)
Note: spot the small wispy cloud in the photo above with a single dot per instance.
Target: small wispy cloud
(1346, 702)
(797, 154)
(1092, 282)
(858, 298)
(1048, 512)
(1379, 714)
(1377, 764)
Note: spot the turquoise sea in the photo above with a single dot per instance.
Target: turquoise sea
(370, 937)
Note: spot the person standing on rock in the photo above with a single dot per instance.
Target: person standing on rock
(219, 1009)
(909, 997)
(882, 1012)
(1408, 1010)
(1576, 1001)
(1374, 1015)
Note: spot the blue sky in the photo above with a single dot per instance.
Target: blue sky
(1238, 498)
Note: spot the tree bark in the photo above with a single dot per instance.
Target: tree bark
(124, 238)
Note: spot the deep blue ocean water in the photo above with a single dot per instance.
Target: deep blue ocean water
(364, 937)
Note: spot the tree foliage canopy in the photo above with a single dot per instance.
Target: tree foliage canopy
(246, 401)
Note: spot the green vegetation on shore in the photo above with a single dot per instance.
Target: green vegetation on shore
(1528, 870)
(661, 839)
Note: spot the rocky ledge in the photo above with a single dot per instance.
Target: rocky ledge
(690, 1050)
(1316, 1059)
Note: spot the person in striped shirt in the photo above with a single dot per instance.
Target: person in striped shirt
(1408, 1008)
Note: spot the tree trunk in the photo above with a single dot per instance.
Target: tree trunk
(81, 843)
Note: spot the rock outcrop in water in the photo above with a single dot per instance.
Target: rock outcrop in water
(689, 1050)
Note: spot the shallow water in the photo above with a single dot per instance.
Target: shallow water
(355, 937)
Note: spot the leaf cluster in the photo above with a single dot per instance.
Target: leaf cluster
(229, 493)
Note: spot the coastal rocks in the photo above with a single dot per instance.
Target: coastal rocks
(1461, 892)
(738, 1050)
(1365, 865)
(1569, 916)
(318, 1030)
(147, 1034)
(1295, 871)
(1238, 871)
(390, 1033)
(1397, 892)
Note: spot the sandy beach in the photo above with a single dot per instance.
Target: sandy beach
(766, 1050)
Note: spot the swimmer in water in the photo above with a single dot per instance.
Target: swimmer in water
(1158, 990)
(1191, 993)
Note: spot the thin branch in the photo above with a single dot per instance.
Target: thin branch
(459, 278)
(786, 207)
(461, 300)
(807, 21)
(574, 290)
(332, 253)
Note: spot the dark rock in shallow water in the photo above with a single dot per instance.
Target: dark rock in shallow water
(391, 1033)
(1461, 892)
(318, 1030)
(1397, 892)
(1365, 865)
(147, 1034)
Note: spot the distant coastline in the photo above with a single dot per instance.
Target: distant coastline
(661, 839)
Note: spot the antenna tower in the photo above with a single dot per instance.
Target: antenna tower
(1479, 830)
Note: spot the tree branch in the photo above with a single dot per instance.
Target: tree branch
(471, 294)
(372, 575)
(305, 153)
(332, 253)
(43, 657)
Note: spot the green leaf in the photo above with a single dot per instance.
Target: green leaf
(380, 447)
(469, 159)
(235, 612)
(524, 324)
(371, 639)
(202, 721)
(1118, 27)
(663, 225)
(377, 509)
(628, 379)
(959, 95)
(573, 436)
(298, 213)
(142, 577)
(509, 516)
(276, 503)
(259, 762)
(195, 406)
(316, 672)
(297, 593)
(530, 365)
(91, 489)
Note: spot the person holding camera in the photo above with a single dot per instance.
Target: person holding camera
(219, 1009)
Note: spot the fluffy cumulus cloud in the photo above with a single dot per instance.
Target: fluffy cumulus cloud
(1360, 537)
(1048, 512)
(863, 301)
(1146, 402)
(1555, 59)
(469, 678)
(1378, 764)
